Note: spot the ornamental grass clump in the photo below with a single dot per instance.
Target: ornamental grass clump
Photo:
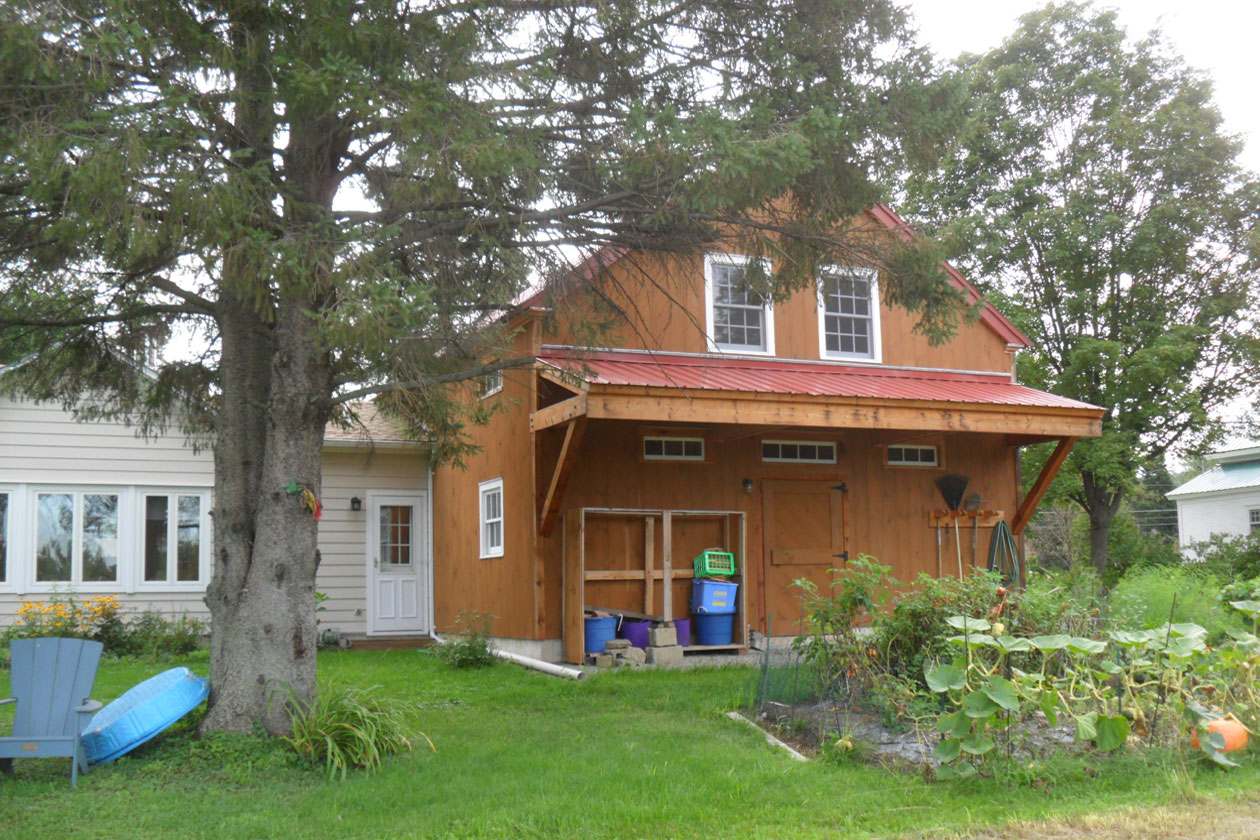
(345, 727)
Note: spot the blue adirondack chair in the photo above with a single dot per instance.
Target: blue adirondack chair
(51, 682)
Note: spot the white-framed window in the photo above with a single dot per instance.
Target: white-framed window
(5, 541)
(848, 314)
(798, 451)
(739, 319)
(913, 456)
(77, 537)
(490, 383)
(1254, 520)
(671, 448)
(491, 503)
(174, 538)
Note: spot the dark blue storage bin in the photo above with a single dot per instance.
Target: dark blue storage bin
(712, 629)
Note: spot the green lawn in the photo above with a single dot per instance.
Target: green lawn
(519, 754)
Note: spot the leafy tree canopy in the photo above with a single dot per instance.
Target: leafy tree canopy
(1095, 185)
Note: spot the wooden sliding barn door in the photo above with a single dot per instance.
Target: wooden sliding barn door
(804, 526)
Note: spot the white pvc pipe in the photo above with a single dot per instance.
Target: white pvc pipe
(529, 662)
(540, 665)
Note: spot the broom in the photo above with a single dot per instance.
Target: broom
(953, 487)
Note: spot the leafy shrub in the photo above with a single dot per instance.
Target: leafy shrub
(1144, 598)
(1229, 557)
(1058, 602)
(102, 618)
(345, 727)
(470, 646)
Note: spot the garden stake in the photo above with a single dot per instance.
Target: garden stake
(938, 547)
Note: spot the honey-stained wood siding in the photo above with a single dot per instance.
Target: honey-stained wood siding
(501, 586)
(887, 507)
(661, 301)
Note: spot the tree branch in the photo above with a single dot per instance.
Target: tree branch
(440, 379)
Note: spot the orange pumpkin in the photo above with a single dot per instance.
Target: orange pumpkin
(1234, 733)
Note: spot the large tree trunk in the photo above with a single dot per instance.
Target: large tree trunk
(276, 384)
(1101, 504)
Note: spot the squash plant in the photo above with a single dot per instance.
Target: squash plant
(1109, 689)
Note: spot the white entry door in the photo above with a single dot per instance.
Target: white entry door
(398, 563)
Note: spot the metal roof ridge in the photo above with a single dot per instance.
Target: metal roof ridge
(857, 368)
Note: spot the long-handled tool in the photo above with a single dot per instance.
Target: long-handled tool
(952, 488)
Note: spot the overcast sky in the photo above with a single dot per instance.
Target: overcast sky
(1218, 36)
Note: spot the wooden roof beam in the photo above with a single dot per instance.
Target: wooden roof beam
(560, 477)
(561, 412)
(1029, 506)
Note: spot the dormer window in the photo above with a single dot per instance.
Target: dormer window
(848, 314)
(739, 319)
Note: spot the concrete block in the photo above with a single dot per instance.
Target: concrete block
(617, 644)
(633, 655)
(665, 656)
(604, 660)
(662, 637)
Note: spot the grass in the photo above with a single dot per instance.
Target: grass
(519, 754)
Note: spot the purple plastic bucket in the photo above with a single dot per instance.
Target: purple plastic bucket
(683, 626)
(636, 632)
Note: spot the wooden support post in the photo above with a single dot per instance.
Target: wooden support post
(667, 565)
(561, 412)
(560, 478)
(574, 586)
(649, 548)
(1029, 506)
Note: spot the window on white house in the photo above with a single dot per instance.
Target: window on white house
(172, 538)
(849, 313)
(396, 536)
(1254, 515)
(76, 537)
(740, 318)
(492, 518)
(798, 452)
(912, 456)
(665, 448)
(4, 537)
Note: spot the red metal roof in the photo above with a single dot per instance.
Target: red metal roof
(785, 376)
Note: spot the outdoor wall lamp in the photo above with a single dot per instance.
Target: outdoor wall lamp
(748, 485)
(356, 503)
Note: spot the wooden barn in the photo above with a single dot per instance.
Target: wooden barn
(794, 435)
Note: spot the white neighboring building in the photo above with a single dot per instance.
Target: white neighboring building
(1223, 500)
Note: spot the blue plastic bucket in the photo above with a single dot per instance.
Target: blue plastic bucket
(600, 629)
(712, 628)
(713, 596)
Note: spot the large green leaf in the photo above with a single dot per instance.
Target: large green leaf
(1131, 638)
(977, 704)
(977, 743)
(1251, 608)
(1079, 644)
(1002, 692)
(1050, 643)
(1013, 644)
(944, 678)
(947, 750)
(1191, 630)
(964, 622)
(1085, 726)
(1111, 732)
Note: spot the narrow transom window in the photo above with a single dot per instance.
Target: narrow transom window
(798, 452)
(662, 448)
(912, 456)
(849, 313)
(492, 518)
(1254, 513)
(740, 319)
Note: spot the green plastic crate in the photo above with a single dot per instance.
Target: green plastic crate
(712, 561)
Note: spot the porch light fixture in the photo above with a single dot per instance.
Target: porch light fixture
(748, 485)
(356, 503)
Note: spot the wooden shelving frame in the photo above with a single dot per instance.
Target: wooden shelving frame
(576, 575)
